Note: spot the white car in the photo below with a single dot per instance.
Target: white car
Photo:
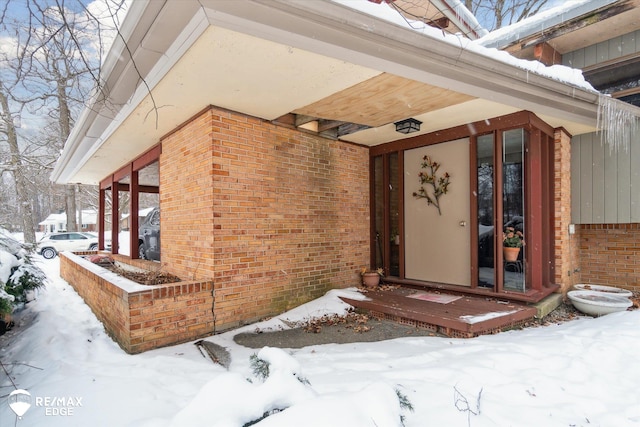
(51, 244)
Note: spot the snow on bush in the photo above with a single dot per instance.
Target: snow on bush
(19, 276)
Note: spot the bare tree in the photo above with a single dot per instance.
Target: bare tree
(47, 77)
(494, 14)
(15, 164)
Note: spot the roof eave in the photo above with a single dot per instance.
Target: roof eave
(331, 29)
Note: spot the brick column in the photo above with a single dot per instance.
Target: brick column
(566, 245)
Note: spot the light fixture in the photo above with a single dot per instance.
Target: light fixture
(408, 125)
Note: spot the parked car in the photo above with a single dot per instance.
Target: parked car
(149, 236)
(50, 245)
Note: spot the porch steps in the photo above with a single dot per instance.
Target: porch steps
(465, 317)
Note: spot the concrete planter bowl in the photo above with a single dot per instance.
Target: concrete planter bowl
(597, 303)
(611, 290)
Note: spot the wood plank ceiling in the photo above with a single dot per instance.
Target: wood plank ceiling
(378, 101)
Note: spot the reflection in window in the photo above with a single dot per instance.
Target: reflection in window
(386, 195)
(379, 208)
(513, 201)
(485, 167)
(394, 212)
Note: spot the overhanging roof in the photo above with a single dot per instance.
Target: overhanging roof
(568, 27)
(318, 58)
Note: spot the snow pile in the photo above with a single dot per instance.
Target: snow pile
(285, 398)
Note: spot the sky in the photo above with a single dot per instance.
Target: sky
(582, 373)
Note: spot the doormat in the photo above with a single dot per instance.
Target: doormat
(439, 298)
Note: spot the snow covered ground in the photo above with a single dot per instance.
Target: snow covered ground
(581, 373)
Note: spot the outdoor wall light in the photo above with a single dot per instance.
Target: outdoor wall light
(408, 125)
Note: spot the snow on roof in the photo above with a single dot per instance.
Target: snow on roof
(540, 22)
(88, 217)
(465, 15)
(559, 73)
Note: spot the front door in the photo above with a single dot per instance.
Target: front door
(437, 242)
(502, 175)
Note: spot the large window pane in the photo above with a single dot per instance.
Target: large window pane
(379, 209)
(486, 226)
(394, 211)
(513, 185)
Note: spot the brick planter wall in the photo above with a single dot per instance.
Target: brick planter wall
(610, 255)
(138, 317)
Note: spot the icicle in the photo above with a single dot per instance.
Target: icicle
(616, 124)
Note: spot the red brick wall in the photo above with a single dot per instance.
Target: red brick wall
(276, 216)
(610, 255)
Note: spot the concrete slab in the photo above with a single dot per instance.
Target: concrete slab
(547, 305)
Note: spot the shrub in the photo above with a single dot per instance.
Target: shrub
(19, 273)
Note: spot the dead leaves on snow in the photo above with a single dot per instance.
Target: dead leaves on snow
(356, 322)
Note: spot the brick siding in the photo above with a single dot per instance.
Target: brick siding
(610, 255)
(274, 215)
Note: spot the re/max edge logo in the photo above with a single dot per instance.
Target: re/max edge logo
(58, 406)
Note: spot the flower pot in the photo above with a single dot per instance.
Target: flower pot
(370, 280)
(510, 254)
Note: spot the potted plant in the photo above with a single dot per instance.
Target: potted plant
(512, 241)
(371, 278)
